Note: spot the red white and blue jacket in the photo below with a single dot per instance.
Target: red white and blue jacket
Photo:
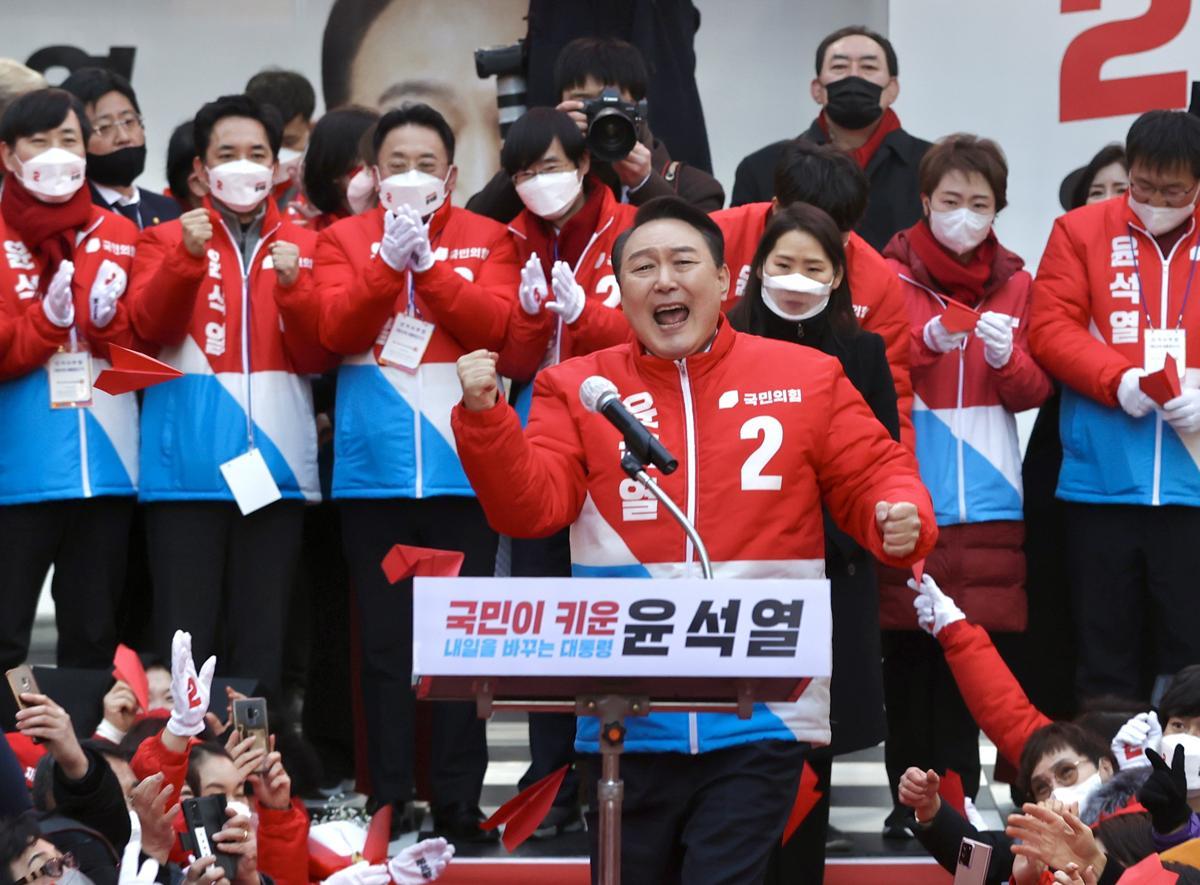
(56, 454)
(1102, 281)
(765, 432)
(963, 409)
(245, 381)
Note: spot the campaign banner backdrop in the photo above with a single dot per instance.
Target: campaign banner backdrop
(621, 627)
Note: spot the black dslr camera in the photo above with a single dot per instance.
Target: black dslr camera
(612, 125)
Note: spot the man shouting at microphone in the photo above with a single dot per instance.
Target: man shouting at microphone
(765, 433)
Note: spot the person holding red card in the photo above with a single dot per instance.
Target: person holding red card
(968, 302)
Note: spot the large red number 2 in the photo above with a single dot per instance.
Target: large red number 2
(1084, 96)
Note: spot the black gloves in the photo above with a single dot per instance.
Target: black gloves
(1165, 793)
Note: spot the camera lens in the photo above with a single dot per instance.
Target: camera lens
(611, 135)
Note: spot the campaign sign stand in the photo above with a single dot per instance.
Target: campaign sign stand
(618, 647)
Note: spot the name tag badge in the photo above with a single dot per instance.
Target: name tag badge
(250, 480)
(71, 377)
(406, 343)
(1161, 343)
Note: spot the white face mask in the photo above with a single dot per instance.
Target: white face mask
(360, 191)
(960, 230)
(774, 287)
(1191, 756)
(416, 189)
(1078, 792)
(54, 175)
(287, 167)
(550, 195)
(1160, 219)
(241, 184)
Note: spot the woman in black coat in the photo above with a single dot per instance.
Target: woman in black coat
(797, 291)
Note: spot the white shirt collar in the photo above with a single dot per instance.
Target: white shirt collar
(114, 198)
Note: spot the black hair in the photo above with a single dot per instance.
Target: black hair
(90, 85)
(413, 114)
(1126, 837)
(345, 29)
(824, 177)
(197, 756)
(965, 153)
(1165, 140)
(1182, 697)
(534, 132)
(144, 728)
(671, 207)
(17, 833)
(181, 150)
(39, 111)
(889, 53)
(235, 106)
(1109, 154)
(610, 61)
(41, 794)
(750, 314)
(333, 153)
(288, 92)
(106, 748)
(1058, 736)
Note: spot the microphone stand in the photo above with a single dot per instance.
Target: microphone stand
(635, 469)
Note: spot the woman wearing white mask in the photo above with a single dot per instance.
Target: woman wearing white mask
(968, 301)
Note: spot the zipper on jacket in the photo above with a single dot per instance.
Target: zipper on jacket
(689, 421)
(558, 326)
(85, 471)
(693, 734)
(958, 439)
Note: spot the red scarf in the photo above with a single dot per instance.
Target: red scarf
(46, 228)
(862, 155)
(963, 282)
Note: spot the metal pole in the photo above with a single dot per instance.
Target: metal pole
(635, 470)
(610, 792)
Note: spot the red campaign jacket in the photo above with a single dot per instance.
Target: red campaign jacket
(878, 301)
(543, 339)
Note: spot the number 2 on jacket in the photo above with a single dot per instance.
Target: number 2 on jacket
(771, 432)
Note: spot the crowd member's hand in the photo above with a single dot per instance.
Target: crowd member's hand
(477, 374)
(919, 791)
(900, 526)
(1055, 840)
(568, 295)
(361, 873)
(1073, 875)
(50, 723)
(941, 340)
(107, 289)
(934, 608)
(1059, 807)
(197, 231)
(422, 862)
(393, 248)
(273, 786)
(1141, 733)
(247, 758)
(1183, 412)
(1164, 793)
(996, 332)
(205, 871)
(59, 303)
(155, 805)
(189, 690)
(120, 709)
(215, 723)
(1026, 871)
(573, 108)
(1131, 396)
(532, 291)
(131, 873)
(636, 167)
(416, 239)
(238, 839)
(285, 259)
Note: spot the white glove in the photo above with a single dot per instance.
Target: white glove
(940, 340)
(1142, 732)
(934, 608)
(190, 693)
(59, 302)
(996, 332)
(361, 873)
(1129, 394)
(532, 291)
(415, 238)
(130, 873)
(107, 288)
(422, 862)
(391, 249)
(568, 295)
(1182, 413)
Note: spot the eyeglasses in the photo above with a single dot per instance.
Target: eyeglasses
(1064, 774)
(549, 168)
(51, 869)
(1174, 194)
(105, 126)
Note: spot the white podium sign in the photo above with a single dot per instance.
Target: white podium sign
(621, 627)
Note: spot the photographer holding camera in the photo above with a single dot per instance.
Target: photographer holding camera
(601, 83)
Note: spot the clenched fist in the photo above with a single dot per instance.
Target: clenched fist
(285, 258)
(919, 791)
(477, 374)
(900, 525)
(197, 231)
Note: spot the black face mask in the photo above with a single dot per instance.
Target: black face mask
(118, 169)
(853, 103)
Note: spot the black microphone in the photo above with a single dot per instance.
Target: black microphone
(598, 394)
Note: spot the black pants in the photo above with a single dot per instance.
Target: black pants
(369, 529)
(226, 579)
(1134, 573)
(708, 819)
(929, 726)
(802, 860)
(85, 540)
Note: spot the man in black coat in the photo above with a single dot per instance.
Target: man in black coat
(116, 149)
(855, 86)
